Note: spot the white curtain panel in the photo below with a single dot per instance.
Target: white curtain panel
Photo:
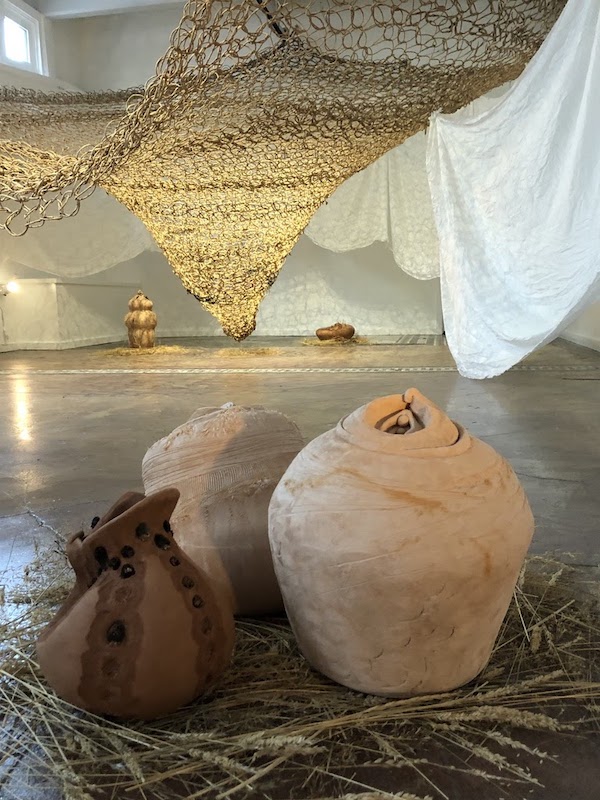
(389, 201)
(104, 233)
(516, 199)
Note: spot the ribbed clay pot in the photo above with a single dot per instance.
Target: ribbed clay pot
(226, 463)
(141, 633)
(398, 539)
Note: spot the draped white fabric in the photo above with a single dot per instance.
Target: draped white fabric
(516, 197)
(104, 233)
(387, 202)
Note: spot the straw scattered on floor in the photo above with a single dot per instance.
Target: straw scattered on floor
(276, 729)
(247, 352)
(356, 340)
(158, 350)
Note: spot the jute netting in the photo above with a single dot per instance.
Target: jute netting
(257, 112)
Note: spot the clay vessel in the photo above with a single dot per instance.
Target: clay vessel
(226, 463)
(141, 633)
(397, 539)
(140, 321)
(341, 330)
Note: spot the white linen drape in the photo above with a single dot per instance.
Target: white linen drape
(516, 197)
(387, 202)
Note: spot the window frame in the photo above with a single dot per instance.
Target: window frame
(33, 22)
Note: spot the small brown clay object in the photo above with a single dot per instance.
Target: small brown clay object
(141, 633)
(141, 321)
(341, 330)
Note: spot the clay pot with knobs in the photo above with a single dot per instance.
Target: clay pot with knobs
(397, 539)
(141, 633)
(141, 321)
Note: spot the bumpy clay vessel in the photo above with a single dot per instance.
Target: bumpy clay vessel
(226, 462)
(141, 633)
(140, 321)
(398, 539)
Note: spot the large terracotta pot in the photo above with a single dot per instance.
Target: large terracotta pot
(141, 633)
(397, 539)
(226, 463)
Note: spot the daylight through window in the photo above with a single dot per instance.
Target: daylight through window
(21, 36)
(16, 41)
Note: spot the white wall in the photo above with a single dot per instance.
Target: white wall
(10, 76)
(64, 52)
(315, 288)
(49, 314)
(586, 328)
(116, 51)
(29, 316)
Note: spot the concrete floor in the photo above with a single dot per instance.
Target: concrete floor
(76, 424)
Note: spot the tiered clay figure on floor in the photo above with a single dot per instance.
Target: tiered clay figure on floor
(141, 321)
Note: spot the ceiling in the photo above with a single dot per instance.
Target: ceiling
(71, 9)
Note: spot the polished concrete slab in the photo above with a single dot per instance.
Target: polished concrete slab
(72, 441)
(75, 426)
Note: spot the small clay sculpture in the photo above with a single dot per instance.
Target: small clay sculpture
(340, 331)
(141, 633)
(140, 321)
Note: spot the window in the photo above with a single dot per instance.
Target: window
(16, 42)
(21, 37)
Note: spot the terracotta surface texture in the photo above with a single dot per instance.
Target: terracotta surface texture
(141, 321)
(397, 540)
(226, 463)
(341, 330)
(141, 633)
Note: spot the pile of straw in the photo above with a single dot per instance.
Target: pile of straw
(335, 342)
(157, 350)
(248, 351)
(276, 729)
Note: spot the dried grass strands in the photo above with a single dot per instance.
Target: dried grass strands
(356, 340)
(275, 728)
(157, 350)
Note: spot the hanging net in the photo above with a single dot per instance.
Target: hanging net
(257, 112)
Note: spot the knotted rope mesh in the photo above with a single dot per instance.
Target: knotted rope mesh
(256, 113)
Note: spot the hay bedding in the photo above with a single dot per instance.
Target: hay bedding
(174, 349)
(157, 350)
(276, 729)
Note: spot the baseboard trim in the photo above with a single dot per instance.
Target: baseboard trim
(163, 335)
(585, 341)
(68, 345)
(117, 340)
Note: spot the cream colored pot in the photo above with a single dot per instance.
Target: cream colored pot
(226, 462)
(397, 540)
